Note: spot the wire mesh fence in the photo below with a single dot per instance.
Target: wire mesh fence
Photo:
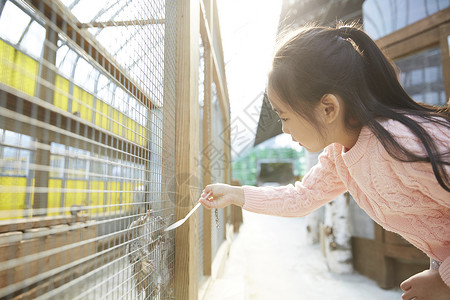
(87, 149)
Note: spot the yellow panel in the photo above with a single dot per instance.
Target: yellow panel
(124, 125)
(17, 70)
(102, 120)
(82, 103)
(115, 120)
(127, 196)
(54, 197)
(98, 117)
(113, 195)
(12, 202)
(131, 130)
(96, 196)
(120, 120)
(60, 98)
(32, 193)
(142, 135)
(24, 77)
(75, 197)
(6, 63)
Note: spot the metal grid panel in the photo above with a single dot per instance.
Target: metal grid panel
(87, 110)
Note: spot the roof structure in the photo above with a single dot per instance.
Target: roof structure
(295, 13)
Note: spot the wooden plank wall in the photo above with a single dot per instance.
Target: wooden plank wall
(196, 19)
(388, 259)
(22, 238)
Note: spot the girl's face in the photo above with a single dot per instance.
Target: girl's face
(300, 129)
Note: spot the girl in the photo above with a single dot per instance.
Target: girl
(333, 89)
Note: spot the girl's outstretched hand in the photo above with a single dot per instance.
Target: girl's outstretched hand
(426, 285)
(222, 195)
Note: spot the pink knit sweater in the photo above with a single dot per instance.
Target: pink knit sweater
(402, 197)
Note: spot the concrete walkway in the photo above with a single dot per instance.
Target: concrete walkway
(269, 259)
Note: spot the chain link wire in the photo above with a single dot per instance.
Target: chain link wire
(87, 148)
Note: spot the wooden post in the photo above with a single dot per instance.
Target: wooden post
(207, 130)
(187, 148)
(385, 277)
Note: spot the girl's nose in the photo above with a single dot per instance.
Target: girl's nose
(284, 129)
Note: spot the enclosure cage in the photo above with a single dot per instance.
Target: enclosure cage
(99, 151)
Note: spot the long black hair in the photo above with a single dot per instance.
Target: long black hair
(313, 61)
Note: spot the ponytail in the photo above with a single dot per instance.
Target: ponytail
(380, 73)
(389, 96)
(358, 71)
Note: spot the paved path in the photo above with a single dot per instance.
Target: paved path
(269, 259)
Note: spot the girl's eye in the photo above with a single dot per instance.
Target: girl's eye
(282, 119)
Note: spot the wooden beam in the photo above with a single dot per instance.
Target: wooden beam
(207, 137)
(73, 131)
(121, 23)
(414, 37)
(222, 75)
(209, 26)
(63, 20)
(414, 44)
(34, 222)
(207, 30)
(416, 28)
(187, 148)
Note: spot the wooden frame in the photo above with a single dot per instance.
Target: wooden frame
(205, 29)
(187, 141)
(428, 32)
(196, 19)
(208, 28)
(388, 259)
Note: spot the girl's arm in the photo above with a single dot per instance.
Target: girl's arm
(319, 186)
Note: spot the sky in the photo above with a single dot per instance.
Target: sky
(248, 30)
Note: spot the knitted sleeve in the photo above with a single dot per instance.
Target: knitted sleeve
(319, 186)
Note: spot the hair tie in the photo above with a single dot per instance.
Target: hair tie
(343, 32)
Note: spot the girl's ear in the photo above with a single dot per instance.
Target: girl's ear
(329, 108)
